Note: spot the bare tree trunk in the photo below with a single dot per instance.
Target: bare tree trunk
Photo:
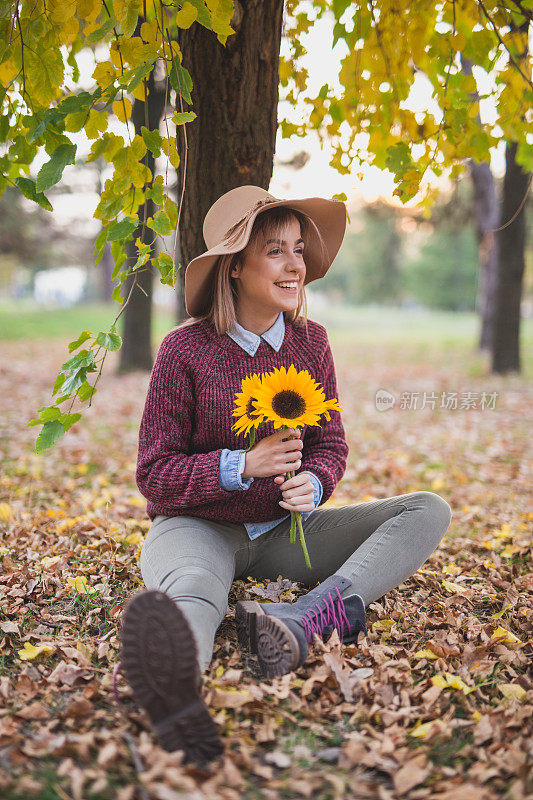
(511, 252)
(136, 351)
(511, 263)
(232, 141)
(486, 215)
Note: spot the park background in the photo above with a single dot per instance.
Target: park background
(437, 702)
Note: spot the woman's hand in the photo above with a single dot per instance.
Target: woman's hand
(298, 492)
(278, 453)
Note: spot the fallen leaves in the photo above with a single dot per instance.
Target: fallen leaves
(437, 702)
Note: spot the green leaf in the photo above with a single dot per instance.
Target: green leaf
(51, 172)
(138, 75)
(85, 358)
(59, 383)
(45, 414)
(185, 80)
(110, 340)
(50, 433)
(122, 229)
(29, 190)
(100, 33)
(69, 420)
(160, 223)
(152, 140)
(180, 117)
(86, 391)
(117, 295)
(165, 265)
(84, 335)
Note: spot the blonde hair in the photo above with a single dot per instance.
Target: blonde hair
(222, 289)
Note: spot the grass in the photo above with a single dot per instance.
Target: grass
(426, 332)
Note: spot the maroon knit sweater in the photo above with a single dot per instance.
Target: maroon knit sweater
(187, 422)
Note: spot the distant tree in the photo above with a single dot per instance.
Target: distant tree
(367, 269)
(444, 275)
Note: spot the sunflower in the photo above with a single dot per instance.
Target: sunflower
(289, 399)
(249, 417)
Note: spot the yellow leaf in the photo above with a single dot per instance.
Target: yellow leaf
(436, 484)
(383, 624)
(510, 550)
(455, 682)
(499, 614)
(425, 653)
(426, 571)
(104, 73)
(133, 538)
(506, 636)
(453, 587)
(47, 561)
(512, 690)
(449, 681)
(31, 651)
(451, 569)
(82, 469)
(186, 15)
(6, 512)
(122, 109)
(421, 729)
(80, 585)
(476, 716)
(504, 532)
(85, 649)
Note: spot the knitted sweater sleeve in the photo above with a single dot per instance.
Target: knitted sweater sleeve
(166, 474)
(325, 449)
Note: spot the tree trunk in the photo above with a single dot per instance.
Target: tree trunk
(486, 217)
(511, 251)
(511, 263)
(232, 140)
(136, 351)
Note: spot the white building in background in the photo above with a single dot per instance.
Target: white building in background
(60, 287)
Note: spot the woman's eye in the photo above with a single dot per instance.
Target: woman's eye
(278, 250)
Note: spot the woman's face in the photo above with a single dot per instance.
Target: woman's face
(275, 262)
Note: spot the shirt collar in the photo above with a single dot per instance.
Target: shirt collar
(250, 341)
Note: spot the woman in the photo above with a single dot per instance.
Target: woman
(222, 512)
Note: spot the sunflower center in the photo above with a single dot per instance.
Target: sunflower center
(288, 404)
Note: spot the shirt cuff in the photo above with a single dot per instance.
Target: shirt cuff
(317, 488)
(232, 463)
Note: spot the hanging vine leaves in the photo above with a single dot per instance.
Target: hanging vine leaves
(388, 45)
(366, 118)
(38, 65)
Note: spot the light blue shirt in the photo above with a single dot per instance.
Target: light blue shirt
(232, 461)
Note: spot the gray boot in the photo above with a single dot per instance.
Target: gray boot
(278, 633)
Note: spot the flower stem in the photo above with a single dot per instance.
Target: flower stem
(302, 539)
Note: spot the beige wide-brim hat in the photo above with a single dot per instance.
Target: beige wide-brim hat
(227, 227)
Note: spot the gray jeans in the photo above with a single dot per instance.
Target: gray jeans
(376, 545)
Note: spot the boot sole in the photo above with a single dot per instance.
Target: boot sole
(267, 637)
(246, 613)
(277, 647)
(159, 661)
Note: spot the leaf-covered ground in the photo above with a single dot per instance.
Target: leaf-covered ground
(437, 702)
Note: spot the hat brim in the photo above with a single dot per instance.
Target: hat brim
(328, 215)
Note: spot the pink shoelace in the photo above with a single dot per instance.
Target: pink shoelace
(314, 619)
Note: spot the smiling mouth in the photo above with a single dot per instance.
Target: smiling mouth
(292, 290)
